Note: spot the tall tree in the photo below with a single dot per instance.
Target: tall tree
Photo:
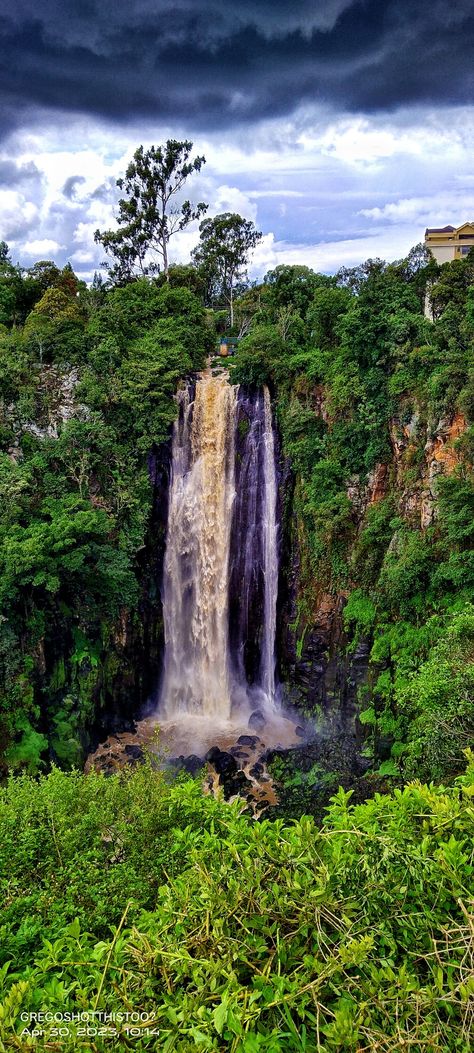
(223, 254)
(149, 213)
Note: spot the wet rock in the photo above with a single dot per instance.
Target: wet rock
(191, 764)
(236, 752)
(134, 753)
(238, 784)
(119, 724)
(383, 747)
(257, 720)
(224, 763)
(256, 770)
(248, 740)
(362, 652)
(299, 731)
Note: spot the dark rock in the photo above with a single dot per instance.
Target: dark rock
(192, 764)
(256, 770)
(238, 784)
(224, 763)
(300, 731)
(248, 740)
(383, 747)
(236, 752)
(257, 720)
(362, 652)
(135, 753)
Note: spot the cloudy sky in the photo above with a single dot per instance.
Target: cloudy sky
(342, 127)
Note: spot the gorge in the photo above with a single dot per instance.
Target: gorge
(220, 578)
(201, 570)
(231, 597)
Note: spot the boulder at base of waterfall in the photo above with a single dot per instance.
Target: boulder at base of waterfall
(237, 786)
(257, 720)
(248, 740)
(224, 763)
(300, 731)
(134, 753)
(192, 764)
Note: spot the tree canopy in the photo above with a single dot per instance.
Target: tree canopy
(149, 212)
(222, 256)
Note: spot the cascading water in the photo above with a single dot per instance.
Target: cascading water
(253, 582)
(270, 555)
(196, 664)
(221, 565)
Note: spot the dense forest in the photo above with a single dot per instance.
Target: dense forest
(313, 928)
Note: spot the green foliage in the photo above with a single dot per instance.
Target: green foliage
(54, 330)
(293, 285)
(28, 748)
(371, 544)
(222, 256)
(86, 391)
(149, 376)
(436, 704)
(254, 936)
(359, 613)
(256, 355)
(406, 572)
(70, 540)
(148, 213)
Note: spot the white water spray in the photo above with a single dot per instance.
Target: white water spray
(195, 585)
(270, 556)
(201, 677)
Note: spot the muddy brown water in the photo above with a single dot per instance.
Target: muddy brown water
(169, 740)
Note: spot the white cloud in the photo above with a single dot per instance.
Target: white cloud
(17, 214)
(231, 199)
(455, 203)
(82, 256)
(41, 248)
(325, 192)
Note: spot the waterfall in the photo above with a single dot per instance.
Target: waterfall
(220, 577)
(195, 579)
(270, 555)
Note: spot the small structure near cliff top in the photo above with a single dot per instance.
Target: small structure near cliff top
(227, 345)
(449, 243)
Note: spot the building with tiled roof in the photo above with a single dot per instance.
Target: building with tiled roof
(449, 243)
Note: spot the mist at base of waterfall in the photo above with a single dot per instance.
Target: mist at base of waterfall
(194, 734)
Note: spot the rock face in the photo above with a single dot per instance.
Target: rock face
(417, 499)
(223, 763)
(125, 685)
(441, 459)
(57, 397)
(257, 720)
(319, 676)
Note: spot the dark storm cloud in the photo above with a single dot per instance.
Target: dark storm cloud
(211, 63)
(71, 185)
(17, 175)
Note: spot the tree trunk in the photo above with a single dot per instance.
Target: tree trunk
(231, 305)
(165, 260)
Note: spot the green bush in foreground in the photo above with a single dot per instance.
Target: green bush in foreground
(258, 936)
